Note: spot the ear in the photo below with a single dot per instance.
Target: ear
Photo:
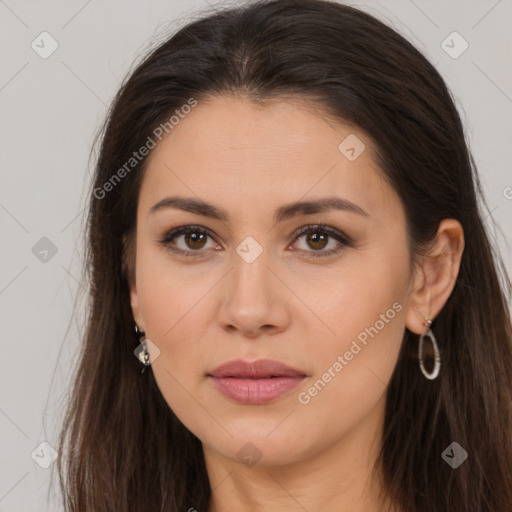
(435, 275)
(134, 301)
(128, 265)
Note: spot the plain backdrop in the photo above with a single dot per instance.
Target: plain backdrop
(51, 109)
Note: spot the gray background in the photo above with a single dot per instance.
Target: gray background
(51, 109)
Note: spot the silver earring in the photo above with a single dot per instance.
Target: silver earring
(143, 355)
(437, 358)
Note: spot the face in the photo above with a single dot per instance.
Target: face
(329, 302)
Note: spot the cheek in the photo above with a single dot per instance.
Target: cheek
(171, 305)
(363, 298)
(168, 292)
(354, 369)
(366, 315)
(175, 303)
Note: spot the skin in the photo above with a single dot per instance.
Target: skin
(286, 305)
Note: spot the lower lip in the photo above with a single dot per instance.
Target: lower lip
(256, 391)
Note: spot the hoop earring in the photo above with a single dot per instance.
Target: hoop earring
(437, 357)
(142, 354)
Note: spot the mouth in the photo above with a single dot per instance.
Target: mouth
(259, 369)
(257, 382)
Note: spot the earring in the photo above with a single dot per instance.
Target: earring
(142, 355)
(437, 358)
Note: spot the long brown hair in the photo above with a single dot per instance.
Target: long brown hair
(122, 448)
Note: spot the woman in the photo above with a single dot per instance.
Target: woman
(284, 230)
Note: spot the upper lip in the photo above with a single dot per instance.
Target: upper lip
(262, 368)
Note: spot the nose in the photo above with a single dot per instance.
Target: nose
(255, 299)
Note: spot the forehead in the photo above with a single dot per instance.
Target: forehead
(232, 151)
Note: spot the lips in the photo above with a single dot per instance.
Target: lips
(260, 369)
(255, 383)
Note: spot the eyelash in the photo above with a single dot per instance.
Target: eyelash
(343, 239)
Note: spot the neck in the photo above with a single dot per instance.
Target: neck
(339, 476)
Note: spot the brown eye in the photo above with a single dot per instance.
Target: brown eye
(317, 241)
(317, 238)
(193, 240)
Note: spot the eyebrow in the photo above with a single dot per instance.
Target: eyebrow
(288, 211)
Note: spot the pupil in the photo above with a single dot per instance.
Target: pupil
(194, 238)
(316, 238)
